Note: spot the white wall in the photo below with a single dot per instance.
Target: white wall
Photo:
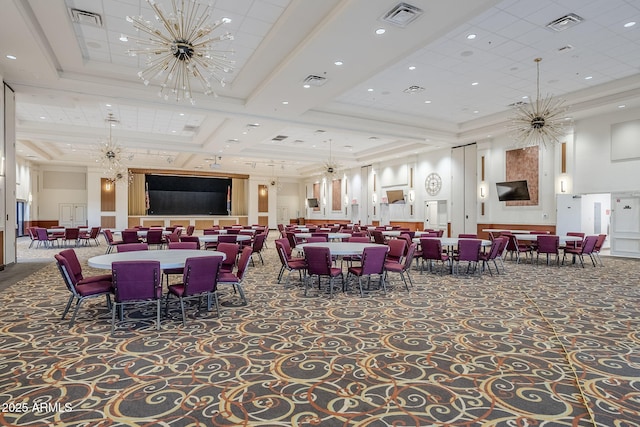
(595, 172)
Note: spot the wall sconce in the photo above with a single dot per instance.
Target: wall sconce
(346, 199)
(412, 196)
(30, 198)
(374, 198)
(324, 200)
(482, 193)
(562, 186)
(107, 185)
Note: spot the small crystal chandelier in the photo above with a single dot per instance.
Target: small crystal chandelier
(330, 166)
(111, 155)
(541, 122)
(181, 52)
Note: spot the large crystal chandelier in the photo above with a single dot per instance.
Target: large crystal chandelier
(541, 122)
(181, 52)
(330, 166)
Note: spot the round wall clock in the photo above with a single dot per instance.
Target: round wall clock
(433, 183)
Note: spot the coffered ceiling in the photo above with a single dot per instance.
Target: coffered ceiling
(413, 89)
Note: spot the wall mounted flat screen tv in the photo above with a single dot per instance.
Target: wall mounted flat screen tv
(512, 190)
(188, 195)
(395, 196)
(313, 203)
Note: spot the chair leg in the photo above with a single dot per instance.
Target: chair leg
(75, 311)
(66, 309)
(158, 304)
(113, 317)
(181, 310)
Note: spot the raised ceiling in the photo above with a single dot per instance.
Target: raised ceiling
(412, 89)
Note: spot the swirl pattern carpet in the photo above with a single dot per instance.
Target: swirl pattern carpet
(537, 346)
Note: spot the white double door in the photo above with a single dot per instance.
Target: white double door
(72, 215)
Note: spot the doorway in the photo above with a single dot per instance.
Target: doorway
(20, 214)
(435, 214)
(72, 215)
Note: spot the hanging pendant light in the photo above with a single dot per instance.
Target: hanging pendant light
(540, 122)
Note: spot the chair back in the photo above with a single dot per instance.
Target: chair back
(136, 280)
(183, 245)
(408, 259)
(190, 230)
(173, 237)
(589, 244)
(65, 271)
(282, 254)
(503, 244)
(154, 237)
(497, 244)
(201, 274)
(130, 236)
(469, 249)
(243, 263)
(258, 242)
(396, 249)
(373, 258)
(378, 237)
(431, 248)
(600, 242)
(108, 235)
(548, 243)
(318, 260)
(467, 236)
(188, 238)
(73, 265)
(42, 234)
(291, 238)
(285, 246)
(210, 231)
(71, 233)
(231, 231)
(227, 238)
(95, 231)
(231, 251)
(132, 247)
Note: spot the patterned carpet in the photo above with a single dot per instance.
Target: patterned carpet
(538, 346)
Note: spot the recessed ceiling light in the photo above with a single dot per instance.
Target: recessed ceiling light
(338, 62)
(474, 84)
(370, 90)
(107, 105)
(588, 77)
(307, 86)
(43, 117)
(413, 67)
(629, 24)
(11, 57)
(173, 131)
(471, 36)
(380, 31)
(285, 102)
(226, 20)
(124, 38)
(427, 102)
(181, 114)
(525, 97)
(476, 112)
(621, 106)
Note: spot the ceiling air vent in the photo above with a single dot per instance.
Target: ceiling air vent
(314, 80)
(83, 17)
(190, 128)
(402, 15)
(564, 22)
(279, 138)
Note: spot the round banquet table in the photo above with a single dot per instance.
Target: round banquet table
(168, 258)
(451, 241)
(213, 238)
(242, 231)
(340, 248)
(330, 236)
(563, 239)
